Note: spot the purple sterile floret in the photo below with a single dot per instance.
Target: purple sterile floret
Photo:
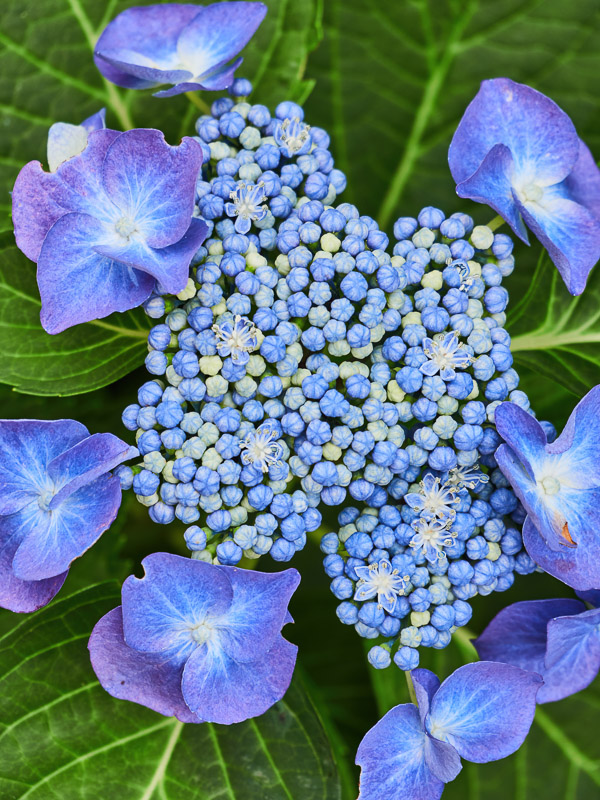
(198, 641)
(110, 225)
(559, 639)
(186, 45)
(559, 486)
(518, 152)
(482, 712)
(57, 497)
(66, 140)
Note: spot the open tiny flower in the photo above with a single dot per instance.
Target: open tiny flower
(431, 537)
(466, 478)
(482, 713)
(445, 355)
(293, 137)
(110, 225)
(236, 338)
(559, 639)
(186, 45)
(57, 497)
(559, 486)
(248, 205)
(434, 500)
(66, 140)
(382, 580)
(261, 448)
(198, 641)
(518, 152)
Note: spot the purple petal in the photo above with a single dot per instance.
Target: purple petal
(426, 684)
(151, 32)
(220, 689)
(96, 122)
(257, 612)
(170, 266)
(569, 232)
(539, 135)
(217, 34)
(484, 709)
(442, 759)
(77, 284)
(85, 462)
(492, 184)
(176, 593)
(27, 446)
(392, 759)
(34, 208)
(221, 78)
(592, 597)
(144, 678)
(74, 527)
(583, 182)
(153, 183)
(572, 656)
(145, 70)
(180, 88)
(578, 567)
(518, 635)
(16, 594)
(522, 432)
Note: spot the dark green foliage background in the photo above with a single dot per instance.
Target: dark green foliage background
(390, 81)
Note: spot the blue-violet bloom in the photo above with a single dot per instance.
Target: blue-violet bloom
(293, 137)
(518, 152)
(558, 484)
(482, 713)
(382, 580)
(66, 140)
(186, 45)
(248, 205)
(110, 225)
(434, 500)
(198, 641)
(445, 355)
(559, 639)
(57, 497)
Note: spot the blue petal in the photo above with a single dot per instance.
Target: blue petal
(569, 232)
(492, 184)
(484, 709)
(581, 437)
(16, 594)
(592, 597)
(73, 528)
(426, 684)
(540, 136)
(170, 266)
(145, 678)
(583, 182)
(77, 284)
(522, 432)
(572, 656)
(160, 609)
(151, 32)
(153, 184)
(85, 462)
(96, 122)
(578, 567)
(392, 759)
(35, 208)
(220, 689)
(217, 34)
(221, 78)
(138, 67)
(27, 446)
(442, 759)
(519, 635)
(254, 620)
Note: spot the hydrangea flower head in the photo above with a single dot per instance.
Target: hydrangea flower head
(559, 639)
(189, 46)
(110, 225)
(57, 497)
(66, 140)
(482, 713)
(198, 641)
(518, 152)
(559, 486)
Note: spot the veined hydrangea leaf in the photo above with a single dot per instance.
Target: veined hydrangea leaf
(78, 360)
(62, 736)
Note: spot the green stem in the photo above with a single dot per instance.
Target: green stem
(121, 331)
(463, 638)
(411, 687)
(495, 223)
(198, 102)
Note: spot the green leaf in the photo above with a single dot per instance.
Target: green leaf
(62, 736)
(78, 360)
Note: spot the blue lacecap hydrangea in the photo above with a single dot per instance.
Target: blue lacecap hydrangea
(305, 367)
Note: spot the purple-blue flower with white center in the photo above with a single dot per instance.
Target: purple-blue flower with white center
(518, 152)
(559, 486)
(482, 713)
(198, 641)
(248, 205)
(261, 448)
(431, 537)
(66, 140)
(292, 137)
(445, 355)
(236, 338)
(110, 225)
(185, 45)
(382, 580)
(57, 497)
(559, 639)
(434, 500)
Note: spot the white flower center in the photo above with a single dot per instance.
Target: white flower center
(201, 632)
(237, 338)
(261, 449)
(550, 485)
(125, 227)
